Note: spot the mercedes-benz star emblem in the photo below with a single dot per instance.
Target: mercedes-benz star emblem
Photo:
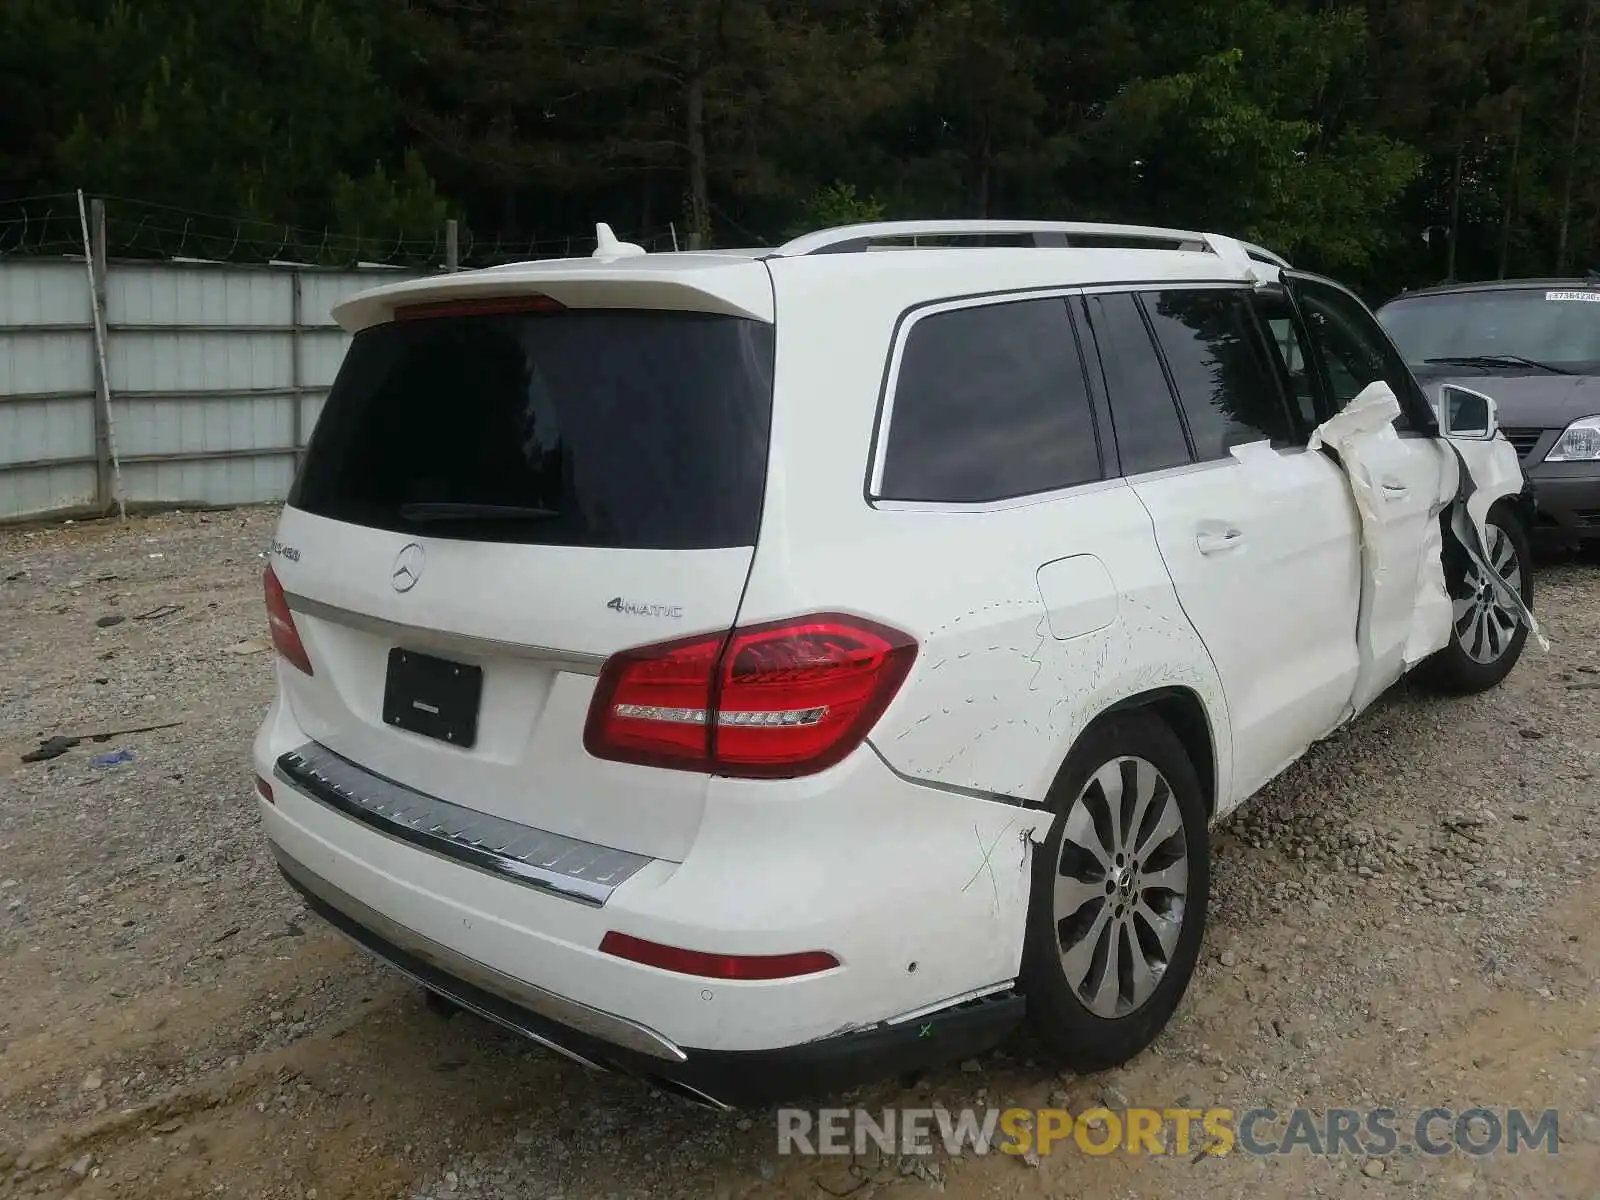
(407, 567)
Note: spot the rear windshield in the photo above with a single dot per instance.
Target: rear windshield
(590, 427)
(1558, 325)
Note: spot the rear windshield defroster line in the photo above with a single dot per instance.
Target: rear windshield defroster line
(617, 428)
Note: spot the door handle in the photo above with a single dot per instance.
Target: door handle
(1209, 542)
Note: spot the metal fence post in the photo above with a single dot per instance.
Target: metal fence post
(452, 245)
(297, 367)
(103, 498)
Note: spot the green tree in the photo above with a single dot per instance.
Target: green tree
(697, 100)
(263, 109)
(1336, 131)
(1235, 122)
(836, 204)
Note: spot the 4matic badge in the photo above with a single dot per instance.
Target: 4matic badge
(633, 608)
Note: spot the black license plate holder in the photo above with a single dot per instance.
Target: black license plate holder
(433, 697)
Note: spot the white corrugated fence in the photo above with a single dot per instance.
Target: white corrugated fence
(216, 375)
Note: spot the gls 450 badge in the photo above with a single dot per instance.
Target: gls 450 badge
(633, 608)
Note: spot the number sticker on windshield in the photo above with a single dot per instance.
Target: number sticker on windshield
(1591, 297)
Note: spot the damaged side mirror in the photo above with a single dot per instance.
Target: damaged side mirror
(1464, 413)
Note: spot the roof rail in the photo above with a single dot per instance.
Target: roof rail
(1262, 254)
(853, 238)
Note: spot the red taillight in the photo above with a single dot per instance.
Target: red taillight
(804, 693)
(285, 637)
(781, 699)
(486, 306)
(264, 789)
(652, 705)
(716, 966)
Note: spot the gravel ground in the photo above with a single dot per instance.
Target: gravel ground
(1409, 916)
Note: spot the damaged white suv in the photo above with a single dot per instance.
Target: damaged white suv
(764, 671)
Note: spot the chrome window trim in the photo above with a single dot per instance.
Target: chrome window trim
(1194, 468)
(1178, 285)
(892, 385)
(1027, 500)
(1211, 464)
(550, 862)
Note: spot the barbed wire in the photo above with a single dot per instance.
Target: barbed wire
(49, 226)
(40, 225)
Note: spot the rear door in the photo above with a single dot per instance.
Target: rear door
(1403, 610)
(1257, 534)
(498, 495)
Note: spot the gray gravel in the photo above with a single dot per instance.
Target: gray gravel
(1408, 915)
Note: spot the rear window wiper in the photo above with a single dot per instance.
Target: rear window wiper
(444, 510)
(1497, 360)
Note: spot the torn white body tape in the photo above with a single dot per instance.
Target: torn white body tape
(1405, 612)
(1268, 473)
(1358, 434)
(1471, 537)
(1434, 617)
(1393, 588)
(1466, 524)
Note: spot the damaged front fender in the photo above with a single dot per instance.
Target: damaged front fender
(1496, 476)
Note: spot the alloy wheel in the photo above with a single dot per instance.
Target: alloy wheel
(1120, 886)
(1485, 626)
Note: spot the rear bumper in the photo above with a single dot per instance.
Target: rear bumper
(920, 894)
(603, 1041)
(1566, 502)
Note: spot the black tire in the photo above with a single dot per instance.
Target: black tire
(1456, 669)
(1082, 1039)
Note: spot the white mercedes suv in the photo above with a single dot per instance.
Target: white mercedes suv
(765, 671)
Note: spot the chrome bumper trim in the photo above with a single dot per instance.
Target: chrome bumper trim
(536, 858)
(607, 1027)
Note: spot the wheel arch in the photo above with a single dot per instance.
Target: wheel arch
(1075, 1028)
(1524, 505)
(1496, 478)
(1183, 712)
(1521, 505)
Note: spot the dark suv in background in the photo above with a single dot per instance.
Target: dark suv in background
(1533, 345)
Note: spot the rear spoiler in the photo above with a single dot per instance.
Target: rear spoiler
(619, 275)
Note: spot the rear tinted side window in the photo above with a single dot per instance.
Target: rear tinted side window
(1219, 364)
(1150, 433)
(590, 427)
(990, 403)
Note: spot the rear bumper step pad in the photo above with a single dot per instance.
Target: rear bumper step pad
(535, 857)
